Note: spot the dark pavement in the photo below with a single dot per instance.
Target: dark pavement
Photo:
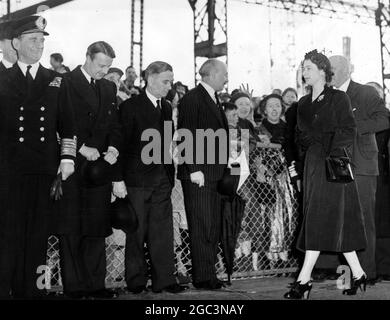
(266, 289)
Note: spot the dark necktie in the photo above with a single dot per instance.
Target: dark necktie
(220, 108)
(217, 100)
(159, 105)
(30, 79)
(93, 85)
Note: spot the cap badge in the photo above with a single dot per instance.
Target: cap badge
(41, 23)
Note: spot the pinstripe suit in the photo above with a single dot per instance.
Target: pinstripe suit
(197, 110)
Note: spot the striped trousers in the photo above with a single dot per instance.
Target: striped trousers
(203, 210)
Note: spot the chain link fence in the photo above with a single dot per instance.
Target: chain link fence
(265, 243)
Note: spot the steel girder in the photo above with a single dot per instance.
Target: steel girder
(137, 31)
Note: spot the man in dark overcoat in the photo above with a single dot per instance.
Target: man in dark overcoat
(84, 209)
(34, 107)
(200, 109)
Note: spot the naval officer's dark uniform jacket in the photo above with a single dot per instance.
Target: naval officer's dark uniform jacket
(31, 116)
(3, 182)
(83, 241)
(97, 127)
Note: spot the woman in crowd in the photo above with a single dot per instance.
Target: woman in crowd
(289, 96)
(173, 98)
(115, 75)
(244, 111)
(332, 219)
(279, 212)
(245, 107)
(272, 125)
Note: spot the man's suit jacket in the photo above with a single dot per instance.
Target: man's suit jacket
(371, 116)
(138, 114)
(84, 209)
(96, 115)
(197, 110)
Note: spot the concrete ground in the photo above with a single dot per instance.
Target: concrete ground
(266, 289)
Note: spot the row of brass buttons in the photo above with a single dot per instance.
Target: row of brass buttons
(21, 129)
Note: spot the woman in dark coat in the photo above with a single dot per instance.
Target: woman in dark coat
(332, 219)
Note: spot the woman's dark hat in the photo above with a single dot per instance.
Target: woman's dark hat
(96, 173)
(115, 70)
(239, 95)
(123, 215)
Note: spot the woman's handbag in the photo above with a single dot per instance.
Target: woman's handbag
(338, 168)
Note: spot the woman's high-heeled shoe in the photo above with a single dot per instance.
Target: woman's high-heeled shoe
(299, 291)
(360, 283)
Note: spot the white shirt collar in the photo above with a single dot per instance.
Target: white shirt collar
(345, 85)
(33, 71)
(209, 90)
(85, 73)
(7, 64)
(152, 98)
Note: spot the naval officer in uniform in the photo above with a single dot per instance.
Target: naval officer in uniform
(86, 199)
(34, 107)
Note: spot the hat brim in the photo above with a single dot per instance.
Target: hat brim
(35, 31)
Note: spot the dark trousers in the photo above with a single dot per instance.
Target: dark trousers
(367, 189)
(23, 240)
(153, 207)
(203, 210)
(83, 263)
(382, 212)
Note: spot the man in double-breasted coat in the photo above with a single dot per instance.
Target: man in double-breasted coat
(85, 206)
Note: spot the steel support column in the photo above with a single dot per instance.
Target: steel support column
(137, 30)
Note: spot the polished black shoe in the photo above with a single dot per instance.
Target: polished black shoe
(173, 288)
(299, 291)
(103, 294)
(137, 289)
(360, 283)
